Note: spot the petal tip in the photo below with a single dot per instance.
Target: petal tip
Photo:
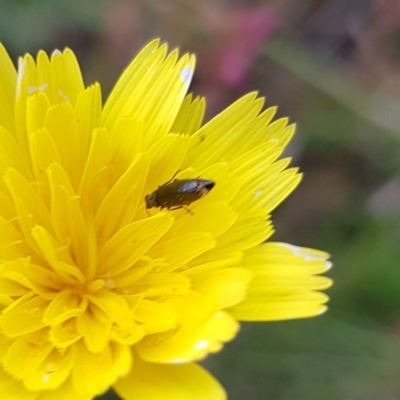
(186, 74)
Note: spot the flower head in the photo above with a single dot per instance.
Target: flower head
(98, 291)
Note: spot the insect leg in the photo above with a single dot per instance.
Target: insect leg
(172, 179)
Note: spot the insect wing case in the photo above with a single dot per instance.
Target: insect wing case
(182, 192)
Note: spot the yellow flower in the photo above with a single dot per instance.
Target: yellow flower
(97, 291)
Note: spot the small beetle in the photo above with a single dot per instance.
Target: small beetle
(178, 193)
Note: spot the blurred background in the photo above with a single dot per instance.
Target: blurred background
(333, 66)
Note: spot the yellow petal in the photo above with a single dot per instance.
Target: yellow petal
(122, 359)
(149, 381)
(36, 111)
(198, 268)
(65, 305)
(94, 183)
(68, 218)
(131, 242)
(213, 134)
(114, 306)
(43, 153)
(52, 373)
(93, 373)
(235, 130)
(11, 288)
(4, 345)
(249, 230)
(11, 156)
(65, 71)
(7, 211)
(29, 206)
(128, 277)
(284, 185)
(8, 79)
(223, 217)
(64, 334)
(43, 77)
(269, 192)
(61, 123)
(63, 392)
(154, 316)
(68, 272)
(87, 113)
(24, 316)
(190, 115)
(151, 90)
(40, 280)
(193, 308)
(121, 202)
(225, 286)
(283, 284)
(189, 343)
(126, 145)
(126, 333)
(12, 389)
(160, 284)
(26, 353)
(59, 76)
(95, 328)
(162, 166)
(179, 250)
(226, 184)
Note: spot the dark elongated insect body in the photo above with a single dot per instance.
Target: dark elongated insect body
(178, 193)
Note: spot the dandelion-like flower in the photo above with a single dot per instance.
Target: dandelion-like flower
(98, 291)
